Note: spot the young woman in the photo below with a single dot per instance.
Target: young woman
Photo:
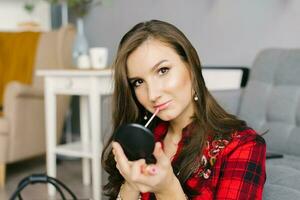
(202, 151)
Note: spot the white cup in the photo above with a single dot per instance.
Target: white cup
(83, 62)
(98, 57)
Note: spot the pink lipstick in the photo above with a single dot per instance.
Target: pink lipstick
(163, 106)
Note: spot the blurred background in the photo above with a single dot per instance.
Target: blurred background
(224, 32)
(228, 35)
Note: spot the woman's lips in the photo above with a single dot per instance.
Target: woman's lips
(163, 106)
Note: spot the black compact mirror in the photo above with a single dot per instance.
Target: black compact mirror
(137, 142)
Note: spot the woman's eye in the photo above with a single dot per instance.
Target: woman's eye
(163, 70)
(137, 83)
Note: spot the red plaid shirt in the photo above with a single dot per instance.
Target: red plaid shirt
(230, 169)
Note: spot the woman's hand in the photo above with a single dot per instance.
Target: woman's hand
(142, 177)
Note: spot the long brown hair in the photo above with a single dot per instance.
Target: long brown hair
(209, 115)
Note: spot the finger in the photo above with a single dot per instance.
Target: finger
(137, 169)
(121, 158)
(120, 169)
(118, 150)
(159, 154)
(130, 163)
(148, 178)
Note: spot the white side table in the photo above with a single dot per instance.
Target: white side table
(89, 85)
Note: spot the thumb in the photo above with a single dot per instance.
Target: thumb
(159, 153)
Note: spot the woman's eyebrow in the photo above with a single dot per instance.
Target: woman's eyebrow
(157, 64)
(152, 69)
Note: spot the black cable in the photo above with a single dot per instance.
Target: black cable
(41, 178)
(65, 187)
(17, 192)
(58, 189)
(19, 189)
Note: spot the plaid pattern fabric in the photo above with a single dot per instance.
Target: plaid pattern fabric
(231, 168)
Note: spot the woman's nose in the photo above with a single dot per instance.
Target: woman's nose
(153, 92)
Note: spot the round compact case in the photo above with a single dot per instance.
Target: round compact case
(137, 142)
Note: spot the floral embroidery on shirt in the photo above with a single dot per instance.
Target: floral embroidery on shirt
(212, 149)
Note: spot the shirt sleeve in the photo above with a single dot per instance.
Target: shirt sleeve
(242, 175)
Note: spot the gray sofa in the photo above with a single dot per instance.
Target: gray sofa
(271, 101)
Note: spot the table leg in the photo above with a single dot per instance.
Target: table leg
(85, 139)
(95, 108)
(50, 112)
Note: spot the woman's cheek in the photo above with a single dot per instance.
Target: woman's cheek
(141, 97)
(173, 84)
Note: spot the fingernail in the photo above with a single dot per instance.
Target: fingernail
(153, 171)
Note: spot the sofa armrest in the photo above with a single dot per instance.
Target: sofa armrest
(24, 110)
(14, 90)
(229, 99)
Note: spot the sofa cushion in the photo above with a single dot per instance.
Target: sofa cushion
(279, 192)
(271, 100)
(283, 177)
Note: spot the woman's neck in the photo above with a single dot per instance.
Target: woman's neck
(176, 126)
(184, 119)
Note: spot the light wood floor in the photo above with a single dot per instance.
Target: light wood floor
(68, 171)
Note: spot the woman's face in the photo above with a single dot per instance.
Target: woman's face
(161, 80)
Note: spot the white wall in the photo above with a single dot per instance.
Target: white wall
(224, 32)
(12, 13)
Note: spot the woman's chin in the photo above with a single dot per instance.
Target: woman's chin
(165, 117)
